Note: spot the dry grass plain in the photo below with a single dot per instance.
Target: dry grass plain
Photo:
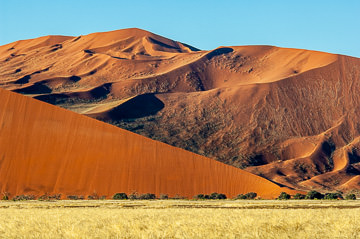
(180, 219)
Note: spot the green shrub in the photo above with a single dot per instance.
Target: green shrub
(350, 196)
(251, 195)
(314, 195)
(147, 196)
(241, 196)
(93, 196)
(48, 197)
(201, 196)
(23, 197)
(75, 197)
(333, 196)
(5, 196)
(134, 196)
(299, 196)
(120, 196)
(217, 196)
(284, 196)
(164, 196)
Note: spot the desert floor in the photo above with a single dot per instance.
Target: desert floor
(180, 219)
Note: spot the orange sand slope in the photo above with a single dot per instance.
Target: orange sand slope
(46, 149)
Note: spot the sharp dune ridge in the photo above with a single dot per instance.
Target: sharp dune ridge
(288, 115)
(50, 150)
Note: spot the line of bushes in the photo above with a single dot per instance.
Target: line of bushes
(315, 195)
(311, 195)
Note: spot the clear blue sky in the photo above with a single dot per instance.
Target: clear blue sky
(331, 26)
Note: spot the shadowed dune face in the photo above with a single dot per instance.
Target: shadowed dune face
(46, 149)
(288, 115)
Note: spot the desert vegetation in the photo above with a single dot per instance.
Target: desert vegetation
(311, 195)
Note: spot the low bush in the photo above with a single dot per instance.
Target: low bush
(284, 196)
(201, 197)
(217, 196)
(23, 197)
(147, 196)
(93, 196)
(250, 195)
(75, 197)
(48, 197)
(120, 196)
(333, 196)
(164, 196)
(350, 196)
(5, 196)
(299, 196)
(133, 196)
(314, 195)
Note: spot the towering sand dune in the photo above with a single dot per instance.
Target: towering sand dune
(46, 149)
(289, 115)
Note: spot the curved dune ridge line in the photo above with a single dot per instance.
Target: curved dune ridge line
(46, 149)
(289, 115)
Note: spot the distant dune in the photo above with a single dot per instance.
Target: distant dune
(288, 115)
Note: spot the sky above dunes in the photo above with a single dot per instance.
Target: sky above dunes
(330, 26)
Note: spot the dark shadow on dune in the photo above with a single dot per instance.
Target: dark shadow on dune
(138, 107)
(354, 157)
(37, 88)
(257, 160)
(56, 47)
(92, 72)
(75, 78)
(101, 91)
(219, 51)
(53, 99)
(163, 44)
(191, 47)
(23, 80)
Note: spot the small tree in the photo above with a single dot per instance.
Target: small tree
(200, 196)
(350, 196)
(164, 196)
(314, 195)
(217, 196)
(5, 196)
(333, 196)
(147, 196)
(251, 195)
(120, 196)
(299, 196)
(241, 196)
(134, 196)
(284, 196)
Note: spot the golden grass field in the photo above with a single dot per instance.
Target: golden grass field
(180, 219)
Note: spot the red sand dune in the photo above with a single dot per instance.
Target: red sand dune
(289, 115)
(46, 149)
